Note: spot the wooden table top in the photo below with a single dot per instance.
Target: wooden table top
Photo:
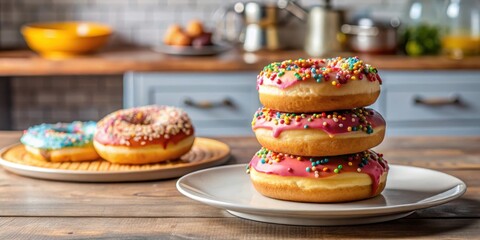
(40, 209)
(119, 61)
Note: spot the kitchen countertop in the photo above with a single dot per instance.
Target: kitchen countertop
(119, 61)
(39, 209)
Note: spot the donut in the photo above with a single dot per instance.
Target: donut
(61, 142)
(339, 178)
(318, 85)
(144, 135)
(319, 134)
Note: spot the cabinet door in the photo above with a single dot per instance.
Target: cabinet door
(218, 103)
(431, 102)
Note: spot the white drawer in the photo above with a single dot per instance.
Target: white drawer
(215, 104)
(431, 102)
(218, 103)
(432, 105)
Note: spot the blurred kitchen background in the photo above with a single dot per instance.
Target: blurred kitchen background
(144, 21)
(30, 98)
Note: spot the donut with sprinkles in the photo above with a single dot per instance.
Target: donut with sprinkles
(61, 142)
(143, 135)
(316, 132)
(338, 178)
(317, 85)
(319, 134)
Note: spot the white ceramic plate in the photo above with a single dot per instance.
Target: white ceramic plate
(408, 189)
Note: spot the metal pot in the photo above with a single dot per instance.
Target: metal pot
(368, 36)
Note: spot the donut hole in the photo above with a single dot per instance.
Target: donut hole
(138, 119)
(141, 122)
(61, 130)
(64, 131)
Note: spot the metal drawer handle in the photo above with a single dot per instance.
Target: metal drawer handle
(455, 100)
(208, 104)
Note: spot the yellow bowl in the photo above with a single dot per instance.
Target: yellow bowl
(58, 40)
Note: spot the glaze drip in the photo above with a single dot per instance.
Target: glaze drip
(367, 162)
(335, 122)
(337, 71)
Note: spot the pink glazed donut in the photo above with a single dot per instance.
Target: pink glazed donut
(319, 134)
(318, 179)
(317, 85)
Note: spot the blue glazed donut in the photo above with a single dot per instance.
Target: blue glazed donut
(61, 142)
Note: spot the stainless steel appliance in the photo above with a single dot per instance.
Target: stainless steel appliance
(323, 26)
(255, 25)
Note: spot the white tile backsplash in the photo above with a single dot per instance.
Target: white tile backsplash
(50, 99)
(127, 15)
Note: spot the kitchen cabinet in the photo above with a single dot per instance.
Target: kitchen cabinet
(218, 103)
(412, 102)
(431, 102)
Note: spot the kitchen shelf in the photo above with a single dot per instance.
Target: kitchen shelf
(119, 61)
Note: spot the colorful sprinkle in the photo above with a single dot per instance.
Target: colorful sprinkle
(315, 165)
(134, 126)
(342, 69)
(59, 135)
(331, 122)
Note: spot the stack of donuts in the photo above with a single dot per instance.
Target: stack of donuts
(316, 132)
(142, 135)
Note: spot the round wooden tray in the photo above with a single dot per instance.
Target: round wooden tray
(205, 153)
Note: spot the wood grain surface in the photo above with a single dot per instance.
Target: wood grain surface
(227, 228)
(119, 61)
(40, 209)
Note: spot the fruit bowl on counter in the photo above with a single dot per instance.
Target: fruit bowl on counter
(193, 40)
(60, 40)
